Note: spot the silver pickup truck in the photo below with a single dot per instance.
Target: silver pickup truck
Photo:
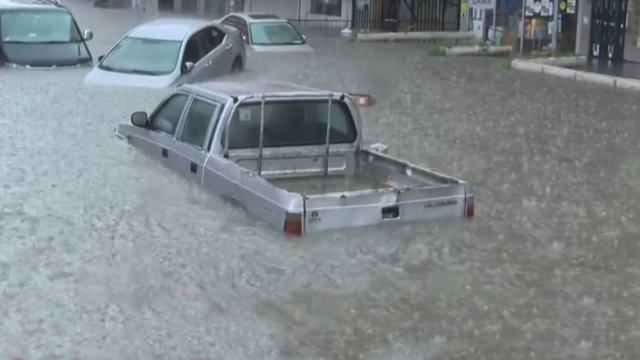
(292, 156)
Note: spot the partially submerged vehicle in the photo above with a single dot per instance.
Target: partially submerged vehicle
(166, 52)
(267, 32)
(291, 155)
(41, 34)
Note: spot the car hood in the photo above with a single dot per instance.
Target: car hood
(46, 55)
(282, 48)
(98, 76)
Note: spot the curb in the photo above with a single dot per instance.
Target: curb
(559, 72)
(629, 84)
(478, 50)
(596, 78)
(526, 66)
(415, 36)
(583, 76)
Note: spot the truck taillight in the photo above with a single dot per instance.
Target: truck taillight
(469, 209)
(293, 223)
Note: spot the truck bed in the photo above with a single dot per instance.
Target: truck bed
(386, 173)
(317, 185)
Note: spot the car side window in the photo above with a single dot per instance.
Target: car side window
(167, 117)
(211, 38)
(192, 51)
(242, 27)
(197, 122)
(230, 21)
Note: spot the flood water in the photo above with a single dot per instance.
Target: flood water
(105, 254)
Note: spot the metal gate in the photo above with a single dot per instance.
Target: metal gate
(608, 27)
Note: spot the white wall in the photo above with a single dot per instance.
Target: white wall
(305, 7)
(284, 8)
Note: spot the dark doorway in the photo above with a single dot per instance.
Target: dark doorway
(608, 26)
(165, 5)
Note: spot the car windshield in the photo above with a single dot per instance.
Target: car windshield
(275, 33)
(38, 27)
(143, 56)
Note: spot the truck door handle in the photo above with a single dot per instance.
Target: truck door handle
(165, 153)
(229, 46)
(208, 64)
(194, 168)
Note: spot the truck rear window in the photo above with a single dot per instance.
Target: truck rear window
(291, 123)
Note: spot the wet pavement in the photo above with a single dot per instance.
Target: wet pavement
(106, 255)
(626, 70)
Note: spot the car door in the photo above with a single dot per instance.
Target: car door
(190, 147)
(193, 52)
(157, 139)
(219, 51)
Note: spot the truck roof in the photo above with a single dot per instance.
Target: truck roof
(29, 4)
(254, 87)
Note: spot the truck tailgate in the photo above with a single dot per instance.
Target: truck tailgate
(371, 207)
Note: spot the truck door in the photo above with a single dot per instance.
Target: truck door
(158, 138)
(190, 147)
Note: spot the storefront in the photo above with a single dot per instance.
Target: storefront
(609, 30)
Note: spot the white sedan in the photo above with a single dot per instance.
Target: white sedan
(169, 52)
(267, 32)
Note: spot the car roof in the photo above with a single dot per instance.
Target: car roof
(31, 4)
(252, 87)
(259, 17)
(168, 28)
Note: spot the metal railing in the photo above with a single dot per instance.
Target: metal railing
(320, 27)
(328, 27)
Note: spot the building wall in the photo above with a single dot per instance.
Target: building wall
(305, 11)
(632, 35)
(284, 8)
(291, 9)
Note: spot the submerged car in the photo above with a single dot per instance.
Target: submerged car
(291, 155)
(41, 34)
(169, 52)
(267, 32)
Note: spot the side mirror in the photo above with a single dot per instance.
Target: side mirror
(139, 118)
(244, 37)
(87, 35)
(304, 37)
(187, 67)
(100, 58)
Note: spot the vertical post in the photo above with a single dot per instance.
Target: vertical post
(554, 36)
(495, 13)
(261, 136)
(524, 3)
(328, 140)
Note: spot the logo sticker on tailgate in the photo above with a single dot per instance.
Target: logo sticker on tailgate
(314, 217)
(440, 203)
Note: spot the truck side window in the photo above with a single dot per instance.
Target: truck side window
(291, 123)
(167, 117)
(197, 122)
